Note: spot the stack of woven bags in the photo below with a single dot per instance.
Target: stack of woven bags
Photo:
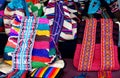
(50, 24)
(34, 30)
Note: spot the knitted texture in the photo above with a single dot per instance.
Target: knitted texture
(2, 6)
(22, 54)
(100, 58)
(46, 72)
(40, 52)
(68, 31)
(13, 8)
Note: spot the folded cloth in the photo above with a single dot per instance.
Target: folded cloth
(46, 72)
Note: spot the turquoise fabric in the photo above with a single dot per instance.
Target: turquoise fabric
(19, 4)
(95, 5)
(43, 27)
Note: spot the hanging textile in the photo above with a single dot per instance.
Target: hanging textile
(68, 31)
(97, 46)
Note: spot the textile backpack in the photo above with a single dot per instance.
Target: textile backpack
(41, 56)
(69, 28)
(97, 47)
(34, 43)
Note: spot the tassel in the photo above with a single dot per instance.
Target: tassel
(82, 75)
(105, 74)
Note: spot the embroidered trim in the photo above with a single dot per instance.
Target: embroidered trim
(107, 50)
(88, 45)
(105, 74)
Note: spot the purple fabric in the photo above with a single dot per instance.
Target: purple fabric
(58, 21)
(13, 34)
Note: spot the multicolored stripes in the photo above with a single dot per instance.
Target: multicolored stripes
(12, 40)
(22, 55)
(40, 52)
(88, 46)
(18, 74)
(42, 55)
(46, 72)
(107, 45)
(68, 31)
(9, 16)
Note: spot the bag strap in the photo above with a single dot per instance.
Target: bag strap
(26, 8)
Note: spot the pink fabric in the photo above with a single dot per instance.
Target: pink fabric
(41, 45)
(2, 13)
(97, 58)
(43, 21)
(77, 55)
(13, 31)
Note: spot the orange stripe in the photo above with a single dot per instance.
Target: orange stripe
(42, 72)
(55, 73)
(11, 44)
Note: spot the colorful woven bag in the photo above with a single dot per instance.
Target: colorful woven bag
(2, 6)
(69, 28)
(16, 7)
(44, 49)
(13, 8)
(97, 47)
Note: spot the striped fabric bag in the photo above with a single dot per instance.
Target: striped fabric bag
(44, 49)
(2, 6)
(69, 28)
(13, 8)
(97, 47)
(41, 44)
(17, 7)
(22, 55)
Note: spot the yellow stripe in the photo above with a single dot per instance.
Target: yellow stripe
(43, 32)
(42, 72)
(55, 73)
(8, 62)
(33, 73)
(16, 29)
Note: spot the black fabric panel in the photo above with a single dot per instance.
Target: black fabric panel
(67, 48)
(3, 41)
